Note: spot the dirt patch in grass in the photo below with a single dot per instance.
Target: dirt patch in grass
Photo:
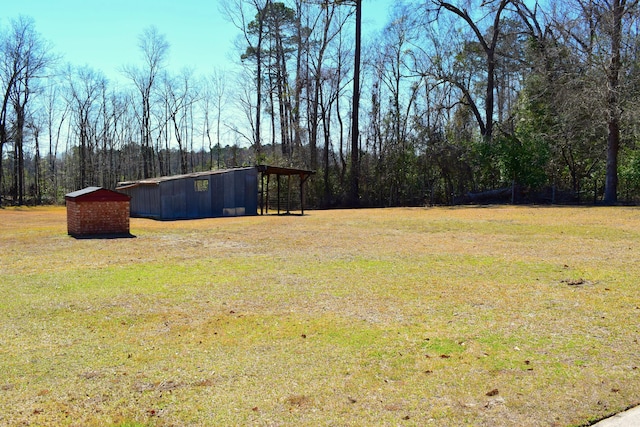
(494, 316)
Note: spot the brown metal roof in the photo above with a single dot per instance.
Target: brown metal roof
(264, 169)
(158, 180)
(277, 170)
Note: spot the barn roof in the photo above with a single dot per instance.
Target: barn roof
(97, 194)
(158, 180)
(264, 169)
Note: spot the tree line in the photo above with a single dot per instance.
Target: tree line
(452, 102)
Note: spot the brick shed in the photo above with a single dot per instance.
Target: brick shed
(97, 211)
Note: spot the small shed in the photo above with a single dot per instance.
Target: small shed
(208, 194)
(97, 211)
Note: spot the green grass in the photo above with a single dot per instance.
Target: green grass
(470, 316)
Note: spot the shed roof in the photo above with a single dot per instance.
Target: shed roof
(97, 194)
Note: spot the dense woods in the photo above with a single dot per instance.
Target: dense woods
(455, 102)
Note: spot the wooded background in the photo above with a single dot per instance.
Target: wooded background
(457, 102)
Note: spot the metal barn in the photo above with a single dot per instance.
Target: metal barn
(232, 192)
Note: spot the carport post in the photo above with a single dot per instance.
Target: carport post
(278, 177)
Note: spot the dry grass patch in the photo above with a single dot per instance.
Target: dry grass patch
(470, 316)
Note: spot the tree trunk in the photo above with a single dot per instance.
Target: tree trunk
(37, 177)
(301, 48)
(19, 141)
(613, 105)
(355, 136)
(491, 66)
(257, 142)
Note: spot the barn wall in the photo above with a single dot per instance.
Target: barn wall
(145, 200)
(240, 193)
(198, 202)
(229, 193)
(228, 197)
(216, 183)
(173, 199)
(251, 192)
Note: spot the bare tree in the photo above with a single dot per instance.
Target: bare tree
(354, 177)
(396, 82)
(85, 88)
(487, 39)
(354, 188)
(329, 24)
(215, 98)
(597, 32)
(56, 114)
(24, 56)
(249, 17)
(179, 101)
(154, 49)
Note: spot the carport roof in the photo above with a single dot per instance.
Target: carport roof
(277, 170)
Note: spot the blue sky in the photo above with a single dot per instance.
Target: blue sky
(103, 34)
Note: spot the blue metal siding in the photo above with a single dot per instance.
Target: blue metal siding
(145, 201)
(251, 192)
(216, 184)
(233, 192)
(173, 200)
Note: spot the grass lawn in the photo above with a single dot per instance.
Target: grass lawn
(478, 316)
